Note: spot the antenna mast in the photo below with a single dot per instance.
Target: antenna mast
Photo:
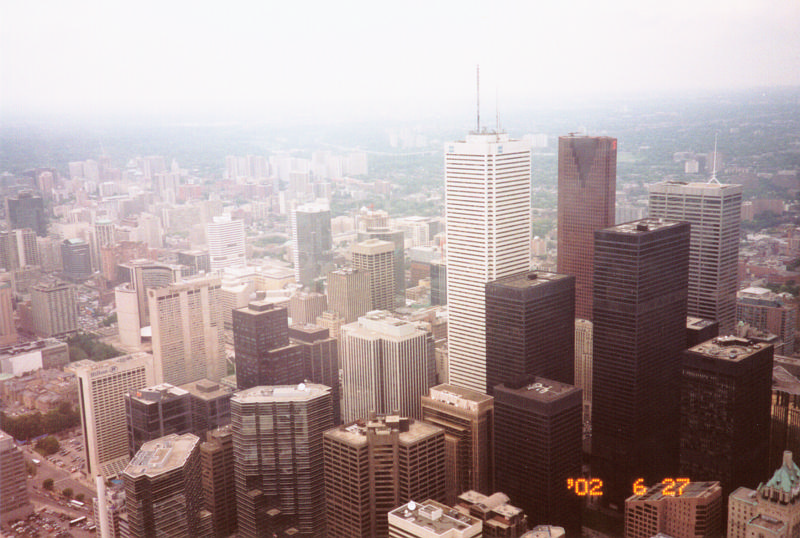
(479, 97)
(714, 169)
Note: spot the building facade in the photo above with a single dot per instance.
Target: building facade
(349, 293)
(376, 257)
(278, 457)
(587, 179)
(714, 211)
(373, 465)
(695, 512)
(487, 209)
(102, 387)
(530, 328)
(311, 242)
(320, 361)
(154, 412)
(226, 242)
(467, 418)
(13, 482)
(640, 283)
(26, 210)
(218, 479)
(767, 311)
(54, 308)
(432, 519)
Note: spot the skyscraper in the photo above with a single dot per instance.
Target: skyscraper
(583, 364)
(8, 331)
(77, 259)
(640, 279)
(349, 293)
(307, 307)
(311, 242)
(725, 412)
(211, 405)
(387, 365)
(377, 258)
(278, 456)
(587, 178)
(264, 354)
(163, 492)
(154, 412)
(320, 361)
(26, 210)
(467, 418)
(487, 192)
(714, 211)
(218, 479)
(101, 389)
(226, 240)
(530, 328)
(397, 238)
(538, 447)
(188, 341)
(374, 465)
(13, 481)
(54, 308)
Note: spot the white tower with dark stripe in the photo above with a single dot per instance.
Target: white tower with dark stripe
(488, 212)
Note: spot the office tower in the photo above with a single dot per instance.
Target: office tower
(538, 446)
(438, 283)
(695, 512)
(583, 364)
(101, 393)
(104, 231)
(377, 258)
(725, 412)
(768, 311)
(27, 247)
(8, 331)
(640, 279)
(467, 418)
(500, 519)
(773, 509)
(785, 414)
(9, 255)
(226, 239)
(432, 519)
(112, 256)
(320, 361)
(396, 238)
(349, 293)
(264, 354)
(488, 205)
(278, 463)
(530, 328)
(332, 321)
(311, 242)
(16, 502)
(163, 493)
(373, 465)
(54, 308)
(587, 178)
(210, 405)
(714, 211)
(700, 330)
(142, 275)
(155, 412)
(218, 479)
(198, 261)
(387, 365)
(76, 258)
(26, 210)
(307, 307)
(188, 341)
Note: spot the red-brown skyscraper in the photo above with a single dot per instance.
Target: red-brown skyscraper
(587, 178)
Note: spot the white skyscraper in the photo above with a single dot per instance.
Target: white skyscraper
(714, 211)
(225, 242)
(101, 388)
(488, 212)
(187, 324)
(387, 365)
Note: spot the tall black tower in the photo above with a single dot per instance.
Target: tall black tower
(530, 328)
(640, 290)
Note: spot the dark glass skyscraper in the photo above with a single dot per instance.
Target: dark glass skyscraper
(530, 328)
(264, 354)
(587, 179)
(26, 210)
(640, 287)
(311, 234)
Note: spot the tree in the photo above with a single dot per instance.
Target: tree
(47, 484)
(48, 445)
(67, 492)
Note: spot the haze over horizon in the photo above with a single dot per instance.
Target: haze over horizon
(318, 59)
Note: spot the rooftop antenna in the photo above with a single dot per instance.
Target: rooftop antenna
(479, 97)
(714, 169)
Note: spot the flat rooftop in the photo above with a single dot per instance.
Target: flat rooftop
(697, 323)
(543, 390)
(156, 393)
(530, 279)
(729, 348)
(206, 389)
(162, 455)
(281, 393)
(452, 394)
(355, 433)
(434, 517)
(644, 225)
(690, 490)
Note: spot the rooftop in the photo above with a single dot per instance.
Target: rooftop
(162, 455)
(434, 517)
(452, 394)
(730, 348)
(690, 490)
(697, 323)
(156, 393)
(206, 389)
(529, 279)
(543, 390)
(277, 393)
(410, 430)
(644, 225)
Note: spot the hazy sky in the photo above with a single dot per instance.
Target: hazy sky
(295, 56)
